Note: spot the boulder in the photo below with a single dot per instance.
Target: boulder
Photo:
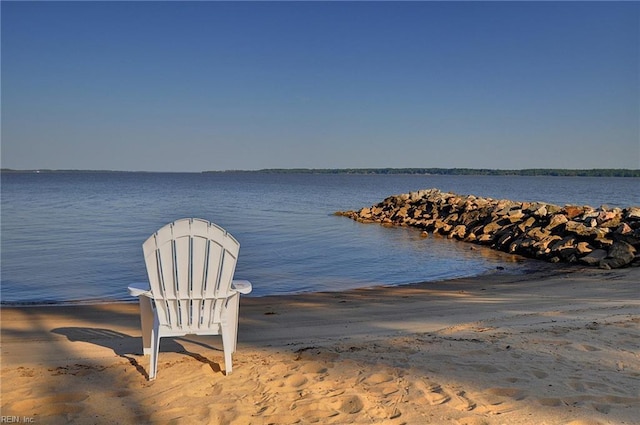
(624, 229)
(584, 248)
(538, 233)
(581, 229)
(626, 234)
(633, 213)
(568, 242)
(515, 215)
(485, 238)
(619, 255)
(442, 227)
(557, 220)
(604, 216)
(459, 231)
(365, 213)
(614, 222)
(527, 224)
(572, 211)
(594, 257)
(544, 243)
(492, 227)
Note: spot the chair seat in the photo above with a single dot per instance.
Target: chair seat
(142, 288)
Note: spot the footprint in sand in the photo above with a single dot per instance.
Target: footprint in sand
(497, 407)
(596, 385)
(514, 393)
(433, 393)
(280, 369)
(378, 378)
(296, 380)
(496, 401)
(539, 374)
(587, 347)
(461, 402)
(313, 367)
(351, 405)
(550, 402)
(381, 384)
(577, 386)
(601, 407)
(620, 400)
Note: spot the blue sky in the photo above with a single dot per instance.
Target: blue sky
(192, 86)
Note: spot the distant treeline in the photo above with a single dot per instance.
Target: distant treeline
(596, 172)
(600, 172)
(46, 170)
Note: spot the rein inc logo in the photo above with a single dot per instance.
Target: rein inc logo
(17, 420)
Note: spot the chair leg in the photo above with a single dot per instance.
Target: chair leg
(155, 348)
(146, 322)
(227, 347)
(231, 316)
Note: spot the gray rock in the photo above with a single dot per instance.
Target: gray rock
(620, 254)
(633, 213)
(594, 257)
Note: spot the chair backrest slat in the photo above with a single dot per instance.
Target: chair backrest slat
(190, 264)
(214, 261)
(199, 263)
(226, 274)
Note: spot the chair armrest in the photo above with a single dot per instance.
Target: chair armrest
(242, 286)
(139, 288)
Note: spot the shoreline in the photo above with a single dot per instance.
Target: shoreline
(555, 346)
(536, 269)
(527, 266)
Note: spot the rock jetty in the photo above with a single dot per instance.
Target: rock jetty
(603, 237)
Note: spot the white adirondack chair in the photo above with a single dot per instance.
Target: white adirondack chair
(190, 265)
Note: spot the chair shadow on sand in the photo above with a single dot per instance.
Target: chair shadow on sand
(130, 348)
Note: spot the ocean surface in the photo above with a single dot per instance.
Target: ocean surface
(77, 237)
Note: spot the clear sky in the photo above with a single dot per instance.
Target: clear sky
(192, 86)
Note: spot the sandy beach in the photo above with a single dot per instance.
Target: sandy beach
(555, 346)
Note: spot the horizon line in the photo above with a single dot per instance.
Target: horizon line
(359, 170)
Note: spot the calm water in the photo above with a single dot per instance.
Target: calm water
(78, 237)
